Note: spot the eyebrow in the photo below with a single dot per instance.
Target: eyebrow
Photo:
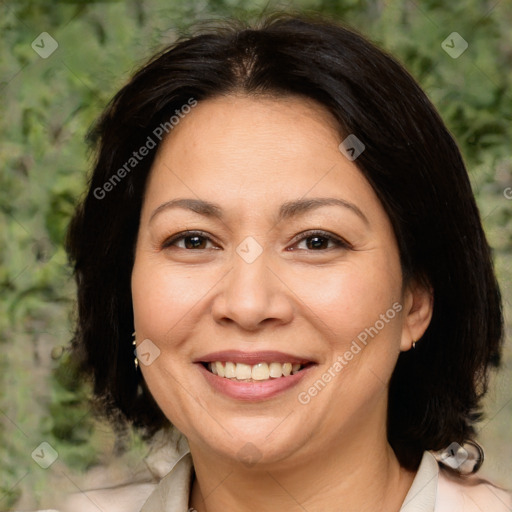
(286, 211)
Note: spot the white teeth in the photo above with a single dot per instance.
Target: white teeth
(276, 370)
(243, 371)
(260, 371)
(230, 370)
(220, 369)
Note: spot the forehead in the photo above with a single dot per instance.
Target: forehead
(252, 152)
(248, 127)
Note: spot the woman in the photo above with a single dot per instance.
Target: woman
(282, 225)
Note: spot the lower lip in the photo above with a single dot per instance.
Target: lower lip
(253, 391)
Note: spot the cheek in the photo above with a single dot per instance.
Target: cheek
(163, 296)
(350, 298)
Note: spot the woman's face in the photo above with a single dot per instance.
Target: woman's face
(253, 290)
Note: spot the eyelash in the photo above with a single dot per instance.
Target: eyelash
(339, 242)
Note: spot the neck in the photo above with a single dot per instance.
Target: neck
(362, 475)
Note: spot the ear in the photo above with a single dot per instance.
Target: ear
(418, 308)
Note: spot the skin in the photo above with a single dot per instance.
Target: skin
(250, 155)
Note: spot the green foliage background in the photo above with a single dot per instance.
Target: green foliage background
(47, 105)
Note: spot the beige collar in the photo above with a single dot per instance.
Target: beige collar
(422, 494)
(173, 491)
(172, 494)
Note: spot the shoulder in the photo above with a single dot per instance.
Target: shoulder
(470, 494)
(122, 487)
(112, 488)
(126, 498)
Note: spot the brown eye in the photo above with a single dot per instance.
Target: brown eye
(319, 241)
(192, 240)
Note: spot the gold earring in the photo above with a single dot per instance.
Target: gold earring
(413, 344)
(136, 360)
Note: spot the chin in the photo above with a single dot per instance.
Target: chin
(251, 441)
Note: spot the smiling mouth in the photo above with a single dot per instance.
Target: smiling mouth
(263, 371)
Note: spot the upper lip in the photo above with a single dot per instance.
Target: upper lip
(251, 358)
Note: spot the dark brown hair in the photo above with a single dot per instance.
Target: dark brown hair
(410, 160)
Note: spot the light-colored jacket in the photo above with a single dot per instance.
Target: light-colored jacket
(165, 487)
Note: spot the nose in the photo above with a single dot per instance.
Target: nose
(253, 295)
